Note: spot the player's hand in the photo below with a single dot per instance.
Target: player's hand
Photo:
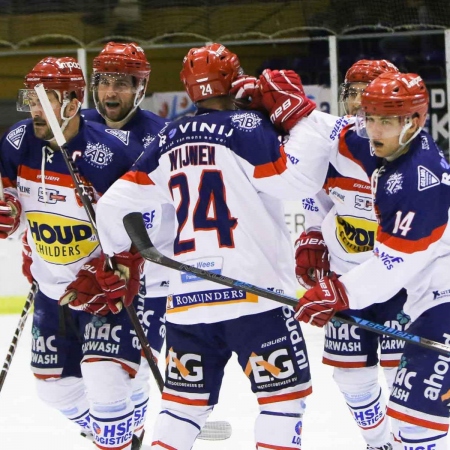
(246, 92)
(122, 283)
(86, 294)
(284, 98)
(26, 258)
(319, 304)
(10, 210)
(311, 257)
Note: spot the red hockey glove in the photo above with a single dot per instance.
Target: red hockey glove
(26, 258)
(122, 283)
(311, 255)
(10, 211)
(247, 94)
(284, 98)
(86, 294)
(319, 304)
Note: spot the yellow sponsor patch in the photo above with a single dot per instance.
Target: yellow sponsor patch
(356, 234)
(60, 239)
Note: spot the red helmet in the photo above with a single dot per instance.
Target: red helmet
(209, 71)
(396, 94)
(62, 75)
(365, 70)
(126, 58)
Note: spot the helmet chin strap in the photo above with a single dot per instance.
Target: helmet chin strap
(402, 145)
(65, 119)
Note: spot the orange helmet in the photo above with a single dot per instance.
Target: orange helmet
(365, 70)
(209, 71)
(396, 94)
(62, 75)
(126, 58)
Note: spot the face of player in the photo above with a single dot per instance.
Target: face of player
(385, 132)
(116, 95)
(353, 97)
(41, 127)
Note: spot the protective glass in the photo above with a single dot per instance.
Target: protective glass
(350, 98)
(27, 99)
(118, 82)
(375, 127)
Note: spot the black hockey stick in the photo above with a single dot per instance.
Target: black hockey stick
(135, 228)
(18, 332)
(87, 204)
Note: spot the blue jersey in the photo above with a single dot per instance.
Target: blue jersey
(59, 232)
(412, 245)
(145, 126)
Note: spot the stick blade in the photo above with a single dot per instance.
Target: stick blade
(215, 431)
(135, 227)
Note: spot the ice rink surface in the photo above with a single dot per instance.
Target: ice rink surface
(28, 424)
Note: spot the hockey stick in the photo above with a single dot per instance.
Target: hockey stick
(135, 228)
(87, 204)
(18, 332)
(212, 430)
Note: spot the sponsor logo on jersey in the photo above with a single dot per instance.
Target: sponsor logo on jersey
(101, 337)
(15, 137)
(51, 196)
(148, 139)
(245, 121)
(425, 143)
(122, 135)
(426, 178)
(394, 183)
(98, 155)
(340, 123)
(184, 302)
(403, 381)
(435, 382)
(43, 349)
(388, 260)
(24, 190)
(355, 234)
(363, 202)
(149, 217)
(292, 159)
(337, 195)
(309, 204)
(439, 294)
(212, 264)
(59, 239)
(114, 434)
(184, 369)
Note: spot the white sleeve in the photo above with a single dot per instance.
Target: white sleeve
(315, 210)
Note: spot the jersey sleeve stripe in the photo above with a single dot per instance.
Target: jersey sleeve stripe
(408, 246)
(54, 178)
(272, 168)
(138, 177)
(347, 184)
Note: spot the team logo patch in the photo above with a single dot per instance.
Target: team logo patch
(245, 121)
(426, 179)
(122, 135)
(98, 155)
(148, 139)
(15, 136)
(394, 183)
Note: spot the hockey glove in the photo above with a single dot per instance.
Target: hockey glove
(247, 94)
(284, 98)
(319, 304)
(10, 211)
(311, 255)
(86, 294)
(26, 258)
(122, 283)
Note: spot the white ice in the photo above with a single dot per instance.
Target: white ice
(28, 424)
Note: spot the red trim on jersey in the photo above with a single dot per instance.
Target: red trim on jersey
(162, 445)
(348, 184)
(137, 177)
(132, 372)
(7, 183)
(416, 421)
(284, 397)
(344, 364)
(184, 400)
(343, 147)
(274, 447)
(54, 178)
(45, 377)
(272, 168)
(407, 246)
(389, 363)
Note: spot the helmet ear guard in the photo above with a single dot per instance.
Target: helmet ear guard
(209, 71)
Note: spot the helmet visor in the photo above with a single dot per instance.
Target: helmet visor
(27, 99)
(117, 82)
(376, 127)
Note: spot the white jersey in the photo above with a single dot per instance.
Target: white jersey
(343, 211)
(225, 174)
